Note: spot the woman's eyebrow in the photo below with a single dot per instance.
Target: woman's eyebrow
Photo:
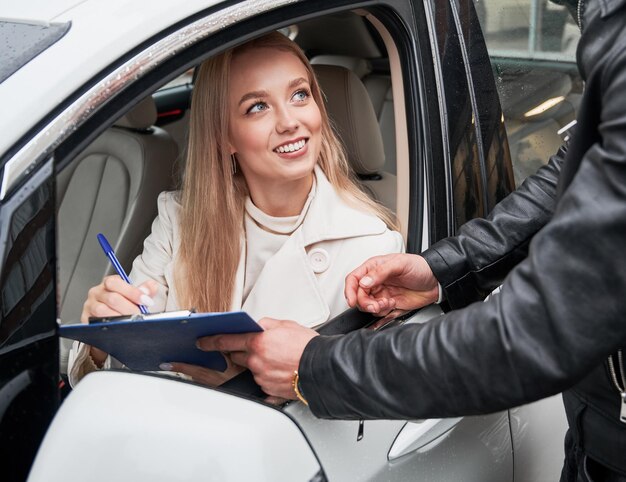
(260, 94)
(253, 95)
(297, 82)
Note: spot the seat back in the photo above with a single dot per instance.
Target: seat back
(378, 86)
(110, 188)
(352, 113)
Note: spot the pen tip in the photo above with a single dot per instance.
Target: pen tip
(104, 243)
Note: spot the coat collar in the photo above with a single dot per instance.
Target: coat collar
(331, 217)
(288, 274)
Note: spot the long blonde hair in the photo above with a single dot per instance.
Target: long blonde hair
(212, 196)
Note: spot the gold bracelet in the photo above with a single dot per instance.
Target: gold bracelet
(295, 383)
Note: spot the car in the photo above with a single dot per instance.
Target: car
(96, 98)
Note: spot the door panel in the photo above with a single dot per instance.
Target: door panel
(28, 346)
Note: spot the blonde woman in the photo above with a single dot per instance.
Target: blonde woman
(268, 219)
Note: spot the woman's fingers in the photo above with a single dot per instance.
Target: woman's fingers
(108, 303)
(197, 373)
(149, 287)
(202, 375)
(114, 297)
(137, 295)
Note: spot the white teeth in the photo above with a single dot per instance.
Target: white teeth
(291, 147)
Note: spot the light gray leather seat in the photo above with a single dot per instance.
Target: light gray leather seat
(378, 87)
(110, 188)
(351, 110)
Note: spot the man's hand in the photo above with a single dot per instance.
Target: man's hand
(393, 281)
(272, 355)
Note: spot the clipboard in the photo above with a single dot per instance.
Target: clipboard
(143, 342)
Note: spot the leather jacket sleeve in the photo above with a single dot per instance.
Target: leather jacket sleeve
(560, 311)
(472, 264)
(469, 266)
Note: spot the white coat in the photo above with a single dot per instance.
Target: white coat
(303, 281)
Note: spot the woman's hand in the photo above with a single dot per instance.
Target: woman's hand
(205, 376)
(393, 281)
(115, 297)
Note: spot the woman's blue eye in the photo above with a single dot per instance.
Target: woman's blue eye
(258, 107)
(301, 95)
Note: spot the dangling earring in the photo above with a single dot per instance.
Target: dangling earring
(233, 164)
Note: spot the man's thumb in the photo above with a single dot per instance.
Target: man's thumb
(366, 282)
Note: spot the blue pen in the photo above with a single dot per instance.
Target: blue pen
(108, 250)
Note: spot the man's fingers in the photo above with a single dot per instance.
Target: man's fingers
(354, 278)
(276, 400)
(378, 275)
(350, 289)
(352, 284)
(370, 303)
(225, 343)
(239, 358)
(270, 323)
(276, 383)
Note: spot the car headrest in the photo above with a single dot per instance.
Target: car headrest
(361, 67)
(352, 113)
(140, 117)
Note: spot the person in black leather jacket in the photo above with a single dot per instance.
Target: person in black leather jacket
(557, 246)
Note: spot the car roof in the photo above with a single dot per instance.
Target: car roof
(99, 33)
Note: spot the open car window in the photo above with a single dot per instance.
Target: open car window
(111, 184)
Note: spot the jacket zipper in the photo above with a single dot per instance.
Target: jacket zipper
(620, 389)
(579, 14)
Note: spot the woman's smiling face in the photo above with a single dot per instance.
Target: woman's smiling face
(275, 124)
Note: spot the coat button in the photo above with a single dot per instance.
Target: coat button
(320, 260)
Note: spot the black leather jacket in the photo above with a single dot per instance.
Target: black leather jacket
(558, 247)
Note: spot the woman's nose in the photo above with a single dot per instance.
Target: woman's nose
(286, 120)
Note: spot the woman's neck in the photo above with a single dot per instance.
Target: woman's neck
(283, 199)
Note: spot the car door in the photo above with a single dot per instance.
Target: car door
(448, 161)
(442, 180)
(28, 343)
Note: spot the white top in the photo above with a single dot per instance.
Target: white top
(265, 235)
